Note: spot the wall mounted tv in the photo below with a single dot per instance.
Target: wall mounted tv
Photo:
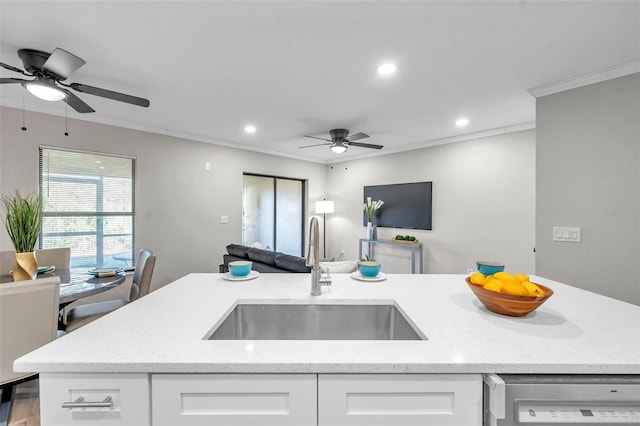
(406, 205)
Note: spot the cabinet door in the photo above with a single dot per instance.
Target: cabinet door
(399, 399)
(234, 399)
(129, 393)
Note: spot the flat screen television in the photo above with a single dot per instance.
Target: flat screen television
(406, 205)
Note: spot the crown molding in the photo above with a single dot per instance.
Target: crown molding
(586, 79)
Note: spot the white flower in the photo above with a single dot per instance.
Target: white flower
(370, 208)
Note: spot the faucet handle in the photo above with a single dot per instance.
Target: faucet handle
(326, 280)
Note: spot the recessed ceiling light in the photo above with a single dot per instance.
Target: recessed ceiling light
(249, 128)
(461, 122)
(386, 69)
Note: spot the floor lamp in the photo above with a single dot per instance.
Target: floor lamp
(324, 207)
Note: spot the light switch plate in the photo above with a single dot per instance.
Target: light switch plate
(224, 219)
(567, 234)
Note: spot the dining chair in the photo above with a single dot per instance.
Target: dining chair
(78, 316)
(58, 257)
(28, 320)
(6, 261)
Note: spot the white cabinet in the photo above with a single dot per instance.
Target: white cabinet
(234, 399)
(127, 396)
(399, 399)
(262, 399)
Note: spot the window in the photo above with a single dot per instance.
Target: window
(89, 203)
(273, 213)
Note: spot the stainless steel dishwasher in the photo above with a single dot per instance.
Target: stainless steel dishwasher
(542, 400)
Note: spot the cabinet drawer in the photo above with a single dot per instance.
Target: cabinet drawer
(399, 399)
(129, 394)
(234, 399)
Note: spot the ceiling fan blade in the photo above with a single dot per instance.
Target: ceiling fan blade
(62, 63)
(318, 144)
(11, 80)
(322, 139)
(76, 103)
(11, 68)
(110, 94)
(357, 137)
(365, 145)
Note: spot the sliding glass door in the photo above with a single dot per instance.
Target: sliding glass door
(273, 213)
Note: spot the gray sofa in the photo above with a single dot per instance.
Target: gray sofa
(264, 260)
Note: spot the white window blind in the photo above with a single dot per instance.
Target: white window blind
(89, 203)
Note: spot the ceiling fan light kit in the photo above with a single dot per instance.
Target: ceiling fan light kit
(338, 148)
(44, 90)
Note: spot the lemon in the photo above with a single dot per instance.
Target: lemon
(504, 276)
(493, 285)
(477, 278)
(514, 287)
(533, 289)
(521, 277)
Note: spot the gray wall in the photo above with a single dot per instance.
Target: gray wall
(588, 175)
(483, 203)
(179, 203)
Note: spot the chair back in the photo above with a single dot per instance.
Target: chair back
(145, 263)
(28, 320)
(7, 258)
(58, 257)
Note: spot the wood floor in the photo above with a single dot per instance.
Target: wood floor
(25, 406)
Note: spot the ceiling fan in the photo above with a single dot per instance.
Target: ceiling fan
(341, 140)
(50, 70)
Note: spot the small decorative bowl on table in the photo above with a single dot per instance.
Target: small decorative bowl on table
(240, 268)
(509, 304)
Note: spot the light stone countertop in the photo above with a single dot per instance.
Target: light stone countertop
(574, 332)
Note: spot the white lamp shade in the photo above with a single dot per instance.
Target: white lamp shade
(44, 91)
(324, 206)
(339, 148)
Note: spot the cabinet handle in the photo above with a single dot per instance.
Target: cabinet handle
(81, 403)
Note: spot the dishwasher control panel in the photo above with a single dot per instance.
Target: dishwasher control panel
(577, 414)
(554, 399)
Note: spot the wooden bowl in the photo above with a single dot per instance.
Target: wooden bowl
(510, 304)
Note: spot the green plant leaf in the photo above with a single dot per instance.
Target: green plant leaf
(23, 220)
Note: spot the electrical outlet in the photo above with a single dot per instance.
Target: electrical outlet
(224, 219)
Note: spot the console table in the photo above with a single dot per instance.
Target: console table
(413, 247)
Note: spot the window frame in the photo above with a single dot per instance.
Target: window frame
(98, 215)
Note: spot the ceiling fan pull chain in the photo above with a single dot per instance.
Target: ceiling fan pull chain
(66, 119)
(24, 128)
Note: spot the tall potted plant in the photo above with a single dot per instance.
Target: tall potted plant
(23, 221)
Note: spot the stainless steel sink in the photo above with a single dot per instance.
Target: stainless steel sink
(249, 321)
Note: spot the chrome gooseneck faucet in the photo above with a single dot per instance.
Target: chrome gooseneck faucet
(313, 259)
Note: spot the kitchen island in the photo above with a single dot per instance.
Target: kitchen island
(153, 350)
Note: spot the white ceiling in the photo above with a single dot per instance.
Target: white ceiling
(295, 68)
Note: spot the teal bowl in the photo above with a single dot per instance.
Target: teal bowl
(369, 268)
(489, 268)
(240, 268)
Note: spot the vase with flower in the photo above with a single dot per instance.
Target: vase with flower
(370, 207)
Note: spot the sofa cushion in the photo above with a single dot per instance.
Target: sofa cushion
(291, 263)
(260, 255)
(237, 250)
